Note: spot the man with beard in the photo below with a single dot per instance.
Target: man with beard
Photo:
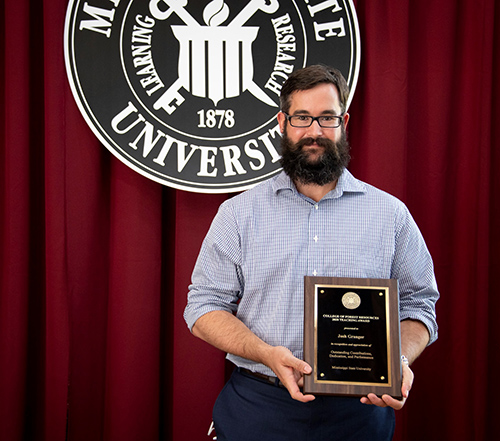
(316, 219)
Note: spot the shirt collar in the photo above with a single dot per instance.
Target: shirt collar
(347, 184)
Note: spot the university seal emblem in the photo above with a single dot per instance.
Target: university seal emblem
(351, 300)
(186, 92)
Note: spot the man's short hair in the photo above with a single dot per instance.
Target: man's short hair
(311, 76)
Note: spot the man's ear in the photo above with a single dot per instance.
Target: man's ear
(346, 119)
(281, 121)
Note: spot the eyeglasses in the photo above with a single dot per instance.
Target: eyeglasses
(325, 121)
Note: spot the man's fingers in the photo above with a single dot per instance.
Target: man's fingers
(408, 378)
(392, 402)
(303, 398)
(303, 367)
(290, 370)
(374, 400)
(387, 400)
(384, 401)
(297, 364)
(296, 394)
(292, 385)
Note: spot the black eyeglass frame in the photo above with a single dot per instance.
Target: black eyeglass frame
(339, 118)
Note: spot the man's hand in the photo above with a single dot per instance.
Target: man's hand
(387, 400)
(226, 332)
(414, 338)
(290, 370)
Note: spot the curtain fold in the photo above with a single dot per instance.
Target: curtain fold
(96, 259)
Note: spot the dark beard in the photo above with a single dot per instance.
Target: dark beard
(325, 170)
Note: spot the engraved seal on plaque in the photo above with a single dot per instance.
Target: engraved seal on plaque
(351, 300)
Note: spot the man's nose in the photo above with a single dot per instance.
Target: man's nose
(315, 129)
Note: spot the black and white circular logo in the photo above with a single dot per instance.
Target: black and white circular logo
(186, 92)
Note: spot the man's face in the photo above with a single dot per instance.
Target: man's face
(314, 155)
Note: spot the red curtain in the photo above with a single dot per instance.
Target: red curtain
(95, 259)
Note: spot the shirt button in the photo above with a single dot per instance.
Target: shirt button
(315, 273)
(316, 206)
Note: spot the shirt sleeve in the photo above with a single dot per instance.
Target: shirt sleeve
(217, 280)
(413, 268)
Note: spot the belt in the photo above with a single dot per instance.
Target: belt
(275, 381)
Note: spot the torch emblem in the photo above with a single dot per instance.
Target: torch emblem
(215, 61)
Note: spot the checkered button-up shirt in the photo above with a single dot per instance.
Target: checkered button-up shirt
(264, 241)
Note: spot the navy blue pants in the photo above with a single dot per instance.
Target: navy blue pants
(249, 409)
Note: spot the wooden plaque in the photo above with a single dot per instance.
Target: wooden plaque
(352, 336)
